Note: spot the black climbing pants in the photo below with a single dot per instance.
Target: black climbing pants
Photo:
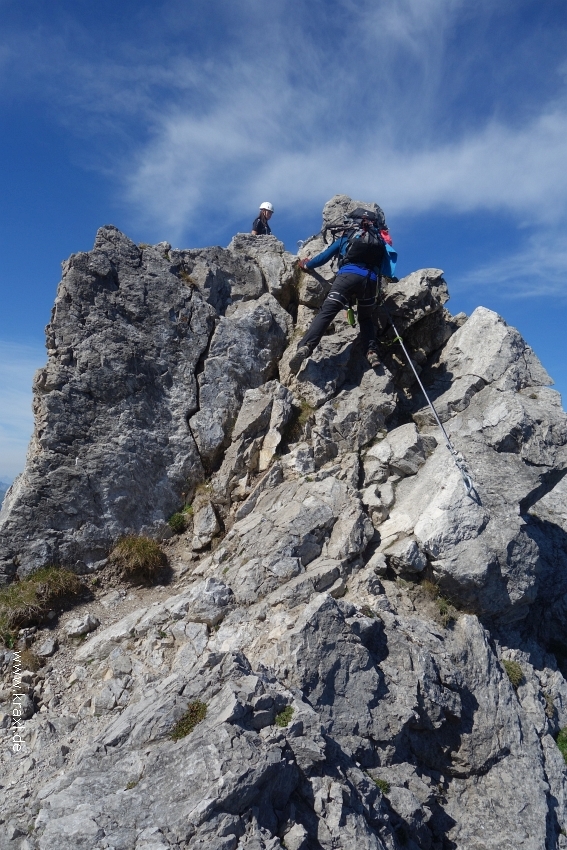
(346, 289)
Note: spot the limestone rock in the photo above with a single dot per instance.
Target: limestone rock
(79, 626)
(476, 547)
(256, 436)
(416, 296)
(207, 601)
(48, 648)
(111, 450)
(340, 206)
(406, 450)
(243, 355)
(221, 278)
(277, 266)
(290, 526)
(205, 526)
(354, 417)
(465, 365)
(405, 557)
(317, 676)
(314, 286)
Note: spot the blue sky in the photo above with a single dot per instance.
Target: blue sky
(174, 120)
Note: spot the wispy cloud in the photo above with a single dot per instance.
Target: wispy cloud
(537, 270)
(17, 366)
(421, 104)
(302, 124)
(219, 161)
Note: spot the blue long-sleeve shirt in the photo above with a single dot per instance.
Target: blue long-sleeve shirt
(339, 248)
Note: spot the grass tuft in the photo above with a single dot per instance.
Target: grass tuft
(178, 521)
(186, 278)
(446, 613)
(30, 661)
(196, 711)
(139, 558)
(514, 671)
(383, 785)
(293, 431)
(28, 601)
(284, 717)
(561, 741)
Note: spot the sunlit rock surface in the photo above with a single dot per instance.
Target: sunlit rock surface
(338, 604)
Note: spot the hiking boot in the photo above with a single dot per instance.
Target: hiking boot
(302, 353)
(372, 357)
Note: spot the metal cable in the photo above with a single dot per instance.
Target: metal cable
(459, 462)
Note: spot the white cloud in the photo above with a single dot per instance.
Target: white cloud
(522, 170)
(537, 270)
(298, 104)
(17, 366)
(295, 104)
(243, 149)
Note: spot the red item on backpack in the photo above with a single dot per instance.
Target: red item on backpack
(386, 237)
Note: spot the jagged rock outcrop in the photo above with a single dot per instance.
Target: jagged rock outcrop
(341, 611)
(142, 387)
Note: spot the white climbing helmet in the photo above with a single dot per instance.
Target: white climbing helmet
(267, 206)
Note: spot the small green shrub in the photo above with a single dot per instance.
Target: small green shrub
(446, 613)
(562, 742)
(8, 637)
(383, 785)
(514, 671)
(368, 612)
(177, 522)
(28, 601)
(131, 784)
(142, 245)
(284, 717)
(138, 558)
(196, 711)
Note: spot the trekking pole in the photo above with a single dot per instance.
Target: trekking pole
(459, 462)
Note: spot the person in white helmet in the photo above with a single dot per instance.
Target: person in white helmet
(260, 226)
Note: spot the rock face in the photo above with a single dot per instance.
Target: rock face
(371, 656)
(143, 384)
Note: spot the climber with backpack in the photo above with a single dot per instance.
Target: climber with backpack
(362, 246)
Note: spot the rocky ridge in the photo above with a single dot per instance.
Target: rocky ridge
(340, 605)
